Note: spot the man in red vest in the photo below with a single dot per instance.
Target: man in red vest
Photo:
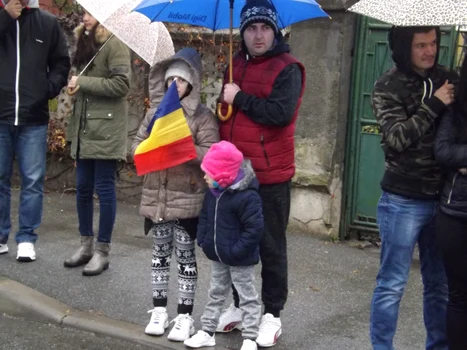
(265, 95)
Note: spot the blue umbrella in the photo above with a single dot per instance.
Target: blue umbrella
(222, 14)
(215, 14)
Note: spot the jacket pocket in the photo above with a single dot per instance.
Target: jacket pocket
(99, 120)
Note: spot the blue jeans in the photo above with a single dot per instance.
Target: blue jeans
(29, 145)
(99, 175)
(403, 222)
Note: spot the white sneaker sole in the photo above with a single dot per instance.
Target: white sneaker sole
(149, 332)
(180, 339)
(197, 346)
(25, 258)
(3, 250)
(268, 345)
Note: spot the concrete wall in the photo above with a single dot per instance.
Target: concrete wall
(325, 47)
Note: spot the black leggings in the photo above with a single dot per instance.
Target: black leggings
(452, 238)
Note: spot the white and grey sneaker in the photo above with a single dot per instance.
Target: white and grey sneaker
(159, 321)
(230, 319)
(249, 344)
(270, 330)
(26, 252)
(3, 248)
(200, 340)
(183, 328)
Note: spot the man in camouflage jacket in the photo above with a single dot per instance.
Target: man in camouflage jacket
(408, 102)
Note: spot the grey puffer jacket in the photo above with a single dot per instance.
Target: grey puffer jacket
(178, 192)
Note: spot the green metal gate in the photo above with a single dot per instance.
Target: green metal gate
(364, 164)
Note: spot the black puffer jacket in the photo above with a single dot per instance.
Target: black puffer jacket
(34, 72)
(452, 156)
(231, 226)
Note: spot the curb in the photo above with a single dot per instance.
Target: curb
(18, 300)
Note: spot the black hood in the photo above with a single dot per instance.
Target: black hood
(279, 46)
(400, 42)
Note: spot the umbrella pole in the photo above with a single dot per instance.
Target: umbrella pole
(219, 105)
(231, 43)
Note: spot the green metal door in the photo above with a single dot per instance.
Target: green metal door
(364, 165)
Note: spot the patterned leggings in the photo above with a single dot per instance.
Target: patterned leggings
(165, 234)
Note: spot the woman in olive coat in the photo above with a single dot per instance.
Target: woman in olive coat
(98, 134)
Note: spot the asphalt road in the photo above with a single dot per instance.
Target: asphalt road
(20, 334)
(330, 284)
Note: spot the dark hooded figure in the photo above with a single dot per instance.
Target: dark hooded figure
(451, 226)
(408, 101)
(266, 93)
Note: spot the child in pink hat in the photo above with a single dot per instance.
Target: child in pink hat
(229, 232)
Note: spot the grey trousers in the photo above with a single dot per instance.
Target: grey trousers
(242, 277)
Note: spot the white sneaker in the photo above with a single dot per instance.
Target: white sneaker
(249, 344)
(270, 330)
(159, 321)
(3, 248)
(183, 328)
(199, 340)
(230, 319)
(26, 252)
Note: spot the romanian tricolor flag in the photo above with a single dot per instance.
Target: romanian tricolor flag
(170, 142)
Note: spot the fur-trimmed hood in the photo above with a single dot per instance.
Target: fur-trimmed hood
(102, 33)
(191, 57)
(249, 179)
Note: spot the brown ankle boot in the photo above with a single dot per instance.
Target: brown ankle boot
(83, 254)
(99, 261)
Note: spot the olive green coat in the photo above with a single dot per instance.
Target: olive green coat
(98, 125)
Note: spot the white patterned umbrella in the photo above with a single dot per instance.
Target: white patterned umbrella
(151, 41)
(415, 12)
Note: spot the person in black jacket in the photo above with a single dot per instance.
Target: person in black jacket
(451, 227)
(34, 68)
(408, 102)
(230, 229)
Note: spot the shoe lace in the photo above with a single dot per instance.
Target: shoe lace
(156, 315)
(180, 320)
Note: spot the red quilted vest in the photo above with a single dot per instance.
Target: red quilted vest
(270, 148)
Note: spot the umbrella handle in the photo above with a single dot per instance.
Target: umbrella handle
(219, 106)
(219, 112)
(71, 92)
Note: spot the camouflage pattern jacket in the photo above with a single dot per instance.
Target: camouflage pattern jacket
(408, 115)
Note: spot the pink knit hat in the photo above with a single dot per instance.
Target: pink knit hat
(222, 163)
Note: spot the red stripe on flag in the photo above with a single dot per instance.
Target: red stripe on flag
(165, 157)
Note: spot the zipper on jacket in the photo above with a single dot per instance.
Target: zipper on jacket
(18, 63)
(452, 187)
(240, 86)
(85, 116)
(215, 227)
(264, 151)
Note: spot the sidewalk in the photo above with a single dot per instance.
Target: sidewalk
(330, 285)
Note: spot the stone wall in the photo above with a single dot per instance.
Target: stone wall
(325, 47)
